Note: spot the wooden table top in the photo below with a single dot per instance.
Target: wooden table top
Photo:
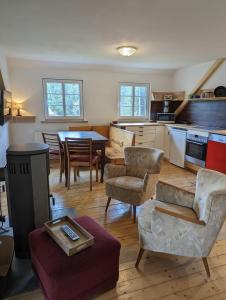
(95, 136)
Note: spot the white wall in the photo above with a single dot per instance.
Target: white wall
(100, 92)
(4, 143)
(4, 71)
(4, 130)
(187, 78)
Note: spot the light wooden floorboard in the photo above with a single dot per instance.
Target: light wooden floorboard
(159, 276)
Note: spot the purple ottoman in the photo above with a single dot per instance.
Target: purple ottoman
(77, 277)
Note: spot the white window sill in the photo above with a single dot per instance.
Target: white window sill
(64, 121)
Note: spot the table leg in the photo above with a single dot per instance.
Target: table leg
(102, 162)
(65, 165)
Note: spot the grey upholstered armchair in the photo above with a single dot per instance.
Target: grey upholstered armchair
(135, 181)
(182, 223)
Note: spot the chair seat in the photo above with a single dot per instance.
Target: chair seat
(56, 152)
(149, 208)
(126, 188)
(83, 158)
(127, 183)
(113, 153)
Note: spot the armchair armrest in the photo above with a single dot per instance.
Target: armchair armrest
(166, 192)
(111, 171)
(179, 215)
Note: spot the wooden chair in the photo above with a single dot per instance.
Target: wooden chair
(80, 154)
(56, 150)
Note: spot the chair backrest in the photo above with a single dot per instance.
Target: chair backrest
(140, 160)
(53, 140)
(210, 185)
(81, 128)
(78, 148)
(101, 129)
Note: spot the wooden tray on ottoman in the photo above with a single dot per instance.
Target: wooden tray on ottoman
(68, 246)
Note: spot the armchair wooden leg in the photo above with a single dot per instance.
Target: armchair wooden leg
(109, 200)
(69, 178)
(78, 173)
(75, 177)
(141, 252)
(97, 167)
(205, 262)
(134, 213)
(91, 178)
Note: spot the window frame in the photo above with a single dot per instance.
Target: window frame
(63, 81)
(134, 84)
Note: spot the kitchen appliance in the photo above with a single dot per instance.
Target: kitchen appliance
(220, 91)
(216, 150)
(165, 118)
(196, 147)
(168, 97)
(27, 182)
(177, 146)
(166, 104)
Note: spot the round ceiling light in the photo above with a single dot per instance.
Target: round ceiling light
(127, 50)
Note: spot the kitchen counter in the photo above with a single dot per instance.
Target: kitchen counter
(172, 125)
(222, 132)
(138, 124)
(196, 128)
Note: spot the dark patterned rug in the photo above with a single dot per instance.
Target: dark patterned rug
(21, 278)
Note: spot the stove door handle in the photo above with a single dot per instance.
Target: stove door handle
(197, 143)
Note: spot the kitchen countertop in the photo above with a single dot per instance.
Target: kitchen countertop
(138, 124)
(173, 125)
(222, 132)
(196, 128)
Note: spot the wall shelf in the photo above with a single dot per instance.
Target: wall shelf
(207, 99)
(23, 118)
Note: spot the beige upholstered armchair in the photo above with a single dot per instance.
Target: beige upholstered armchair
(135, 181)
(182, 223)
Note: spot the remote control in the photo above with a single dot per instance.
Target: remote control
(69, 232)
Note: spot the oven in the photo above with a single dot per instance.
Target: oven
(196, 147)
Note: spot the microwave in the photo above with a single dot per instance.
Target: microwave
(165, 118)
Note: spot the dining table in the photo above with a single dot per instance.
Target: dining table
(98, 143)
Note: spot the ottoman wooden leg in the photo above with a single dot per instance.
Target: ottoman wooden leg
(141, 252)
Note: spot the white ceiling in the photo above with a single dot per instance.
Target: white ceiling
(169, 34)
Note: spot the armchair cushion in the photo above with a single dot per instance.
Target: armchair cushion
(171, 194)
(111, 171)
(164, 233)
(128, 188)
(127, 183)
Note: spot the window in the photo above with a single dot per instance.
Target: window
(63, 99)
(133, 100)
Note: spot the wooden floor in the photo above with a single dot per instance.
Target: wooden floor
(158, 277)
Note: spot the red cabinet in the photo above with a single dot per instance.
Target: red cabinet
(216, 153)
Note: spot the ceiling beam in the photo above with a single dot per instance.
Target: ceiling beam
(213, 68)
(218, 62)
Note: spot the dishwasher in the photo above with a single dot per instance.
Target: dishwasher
(177, 146)
(216, 153)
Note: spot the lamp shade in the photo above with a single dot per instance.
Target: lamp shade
(127, 50)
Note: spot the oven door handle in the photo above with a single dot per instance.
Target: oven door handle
(197, 143)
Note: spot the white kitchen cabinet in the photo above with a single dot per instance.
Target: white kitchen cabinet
(148, 135)
(167, 142)
(159, 137)
(177, 147)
